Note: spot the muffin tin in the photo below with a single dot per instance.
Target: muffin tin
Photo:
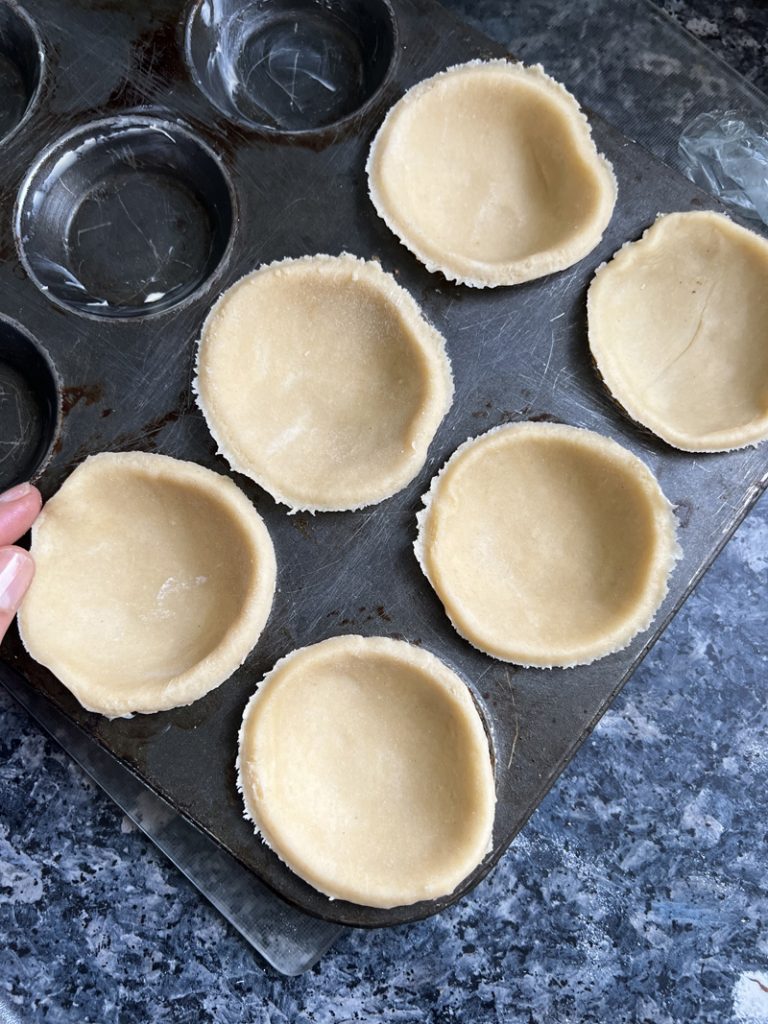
(145, 170)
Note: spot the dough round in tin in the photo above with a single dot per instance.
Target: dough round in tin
(678, 327)
(320, 379)
(488, 173)
(154, 579)
(364, 764)
(548, 545)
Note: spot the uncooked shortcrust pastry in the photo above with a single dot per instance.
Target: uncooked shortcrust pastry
(488, 173)
(321, 380)
(154, 579)
(364, 765)
(548, 545)
(678, 327)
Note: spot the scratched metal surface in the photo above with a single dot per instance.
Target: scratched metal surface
(516, 353)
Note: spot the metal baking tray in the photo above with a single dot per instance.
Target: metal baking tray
(173, 215)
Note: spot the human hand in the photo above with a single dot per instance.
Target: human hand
(19, 508)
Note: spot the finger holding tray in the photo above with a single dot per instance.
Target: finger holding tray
(141, 185)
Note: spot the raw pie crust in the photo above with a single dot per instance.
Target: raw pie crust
(678, 327)
(321, 380)
(364, 765)
(154, 579)
(547, 544)
(488, 173)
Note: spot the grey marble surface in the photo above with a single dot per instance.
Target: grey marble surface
(636, 893)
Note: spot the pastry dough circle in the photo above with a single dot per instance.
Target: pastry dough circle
(678, 327)
(364, 765)
(320, 379)
(154, 579)
(548, 545)
(488, 173)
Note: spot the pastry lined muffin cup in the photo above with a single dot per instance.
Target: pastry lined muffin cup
(548, 545)
(154, 580)
(678, 329)
(364, 765)
(489, 174)
(321, 380)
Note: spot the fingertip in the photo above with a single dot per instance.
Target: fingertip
(35, 499)
(19, 507)
(27, 494)
(16, 571)
(15, 493)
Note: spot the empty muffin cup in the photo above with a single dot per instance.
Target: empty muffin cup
(21, 67)
(124, 217)
(291, 65)
(29, 405)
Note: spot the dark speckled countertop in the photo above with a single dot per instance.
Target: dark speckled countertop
(637, 893)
